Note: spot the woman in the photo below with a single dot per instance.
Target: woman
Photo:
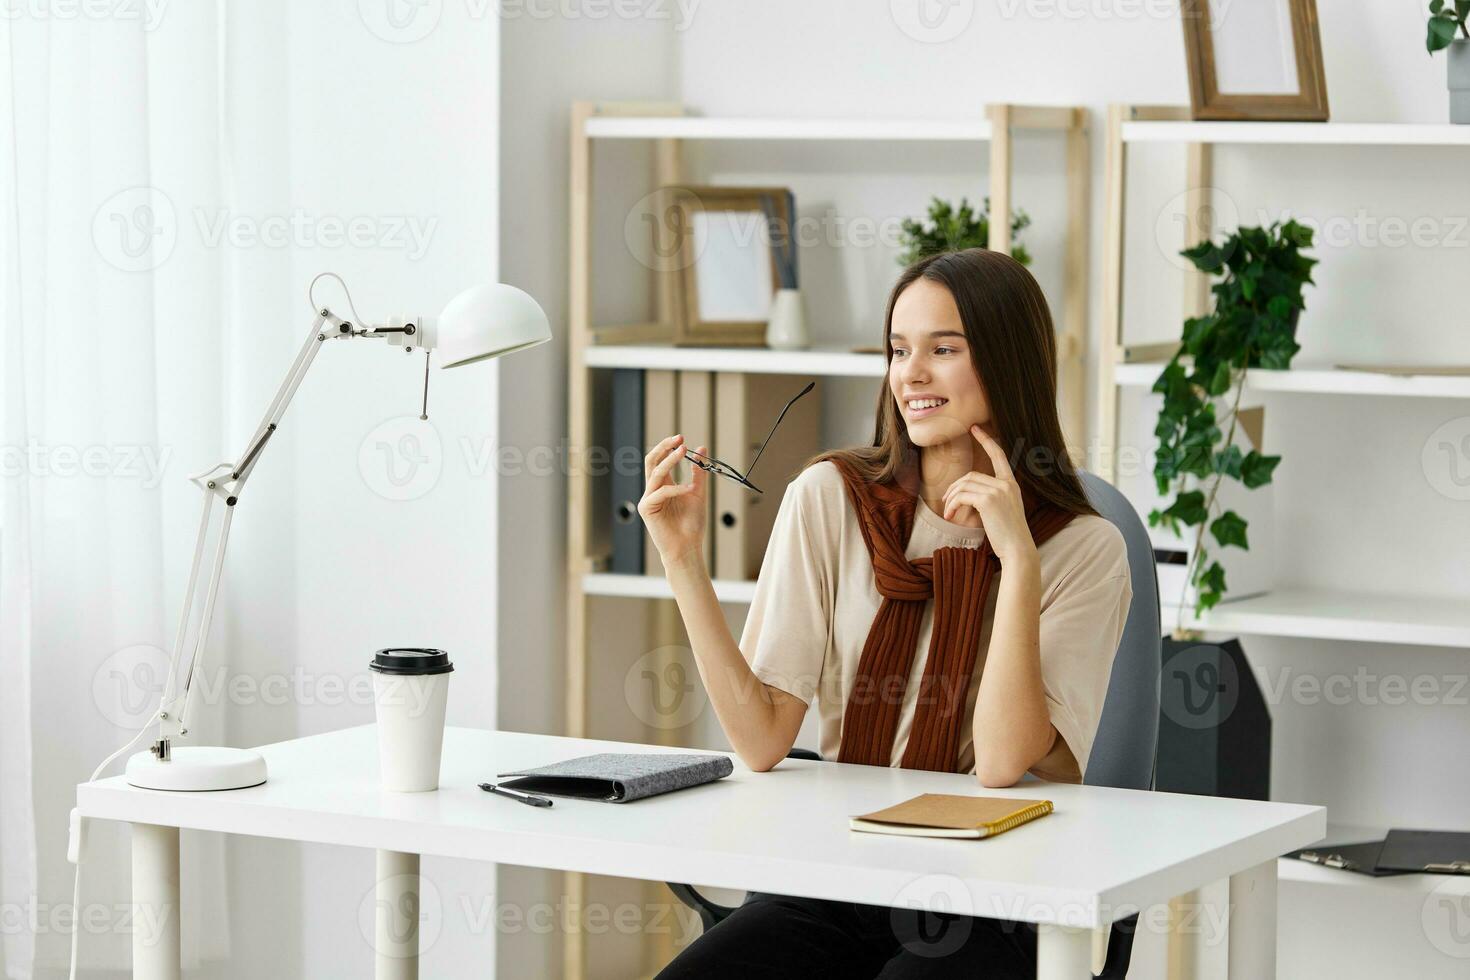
(867, 602)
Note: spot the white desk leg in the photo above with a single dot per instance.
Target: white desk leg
(396, 916)
(1253, 923)
(157, 954)
(1063, 953)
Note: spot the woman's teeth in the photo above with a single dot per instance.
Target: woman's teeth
(923, 403)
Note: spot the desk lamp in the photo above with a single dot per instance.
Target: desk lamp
(480, 323)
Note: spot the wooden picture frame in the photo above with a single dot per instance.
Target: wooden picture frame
(726, 270)
(1234, 58)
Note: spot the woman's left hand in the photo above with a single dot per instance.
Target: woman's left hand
(992, 502)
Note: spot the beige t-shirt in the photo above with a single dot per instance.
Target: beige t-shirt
(816, 600)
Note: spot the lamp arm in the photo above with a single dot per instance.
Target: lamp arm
(224, 482)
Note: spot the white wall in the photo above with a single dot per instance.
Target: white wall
(392, 125)
(547, 62)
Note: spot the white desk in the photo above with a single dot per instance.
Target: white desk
(1102, 855)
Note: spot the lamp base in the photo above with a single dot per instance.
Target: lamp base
(197, 769)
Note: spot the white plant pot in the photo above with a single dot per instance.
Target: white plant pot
(1459, 81)
(786, 327)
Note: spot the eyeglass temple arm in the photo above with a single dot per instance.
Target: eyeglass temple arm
(749, 469)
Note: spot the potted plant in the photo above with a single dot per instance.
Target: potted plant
(1214, 722)
(1258, 300)
(951, 228)
(1445, 21)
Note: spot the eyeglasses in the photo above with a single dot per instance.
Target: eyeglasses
(718, 468)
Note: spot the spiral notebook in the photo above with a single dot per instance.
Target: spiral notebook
(946, 815)
(620, 777)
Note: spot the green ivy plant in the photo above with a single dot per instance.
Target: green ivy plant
(951, 228)
(1444, 20)
(1258, 298)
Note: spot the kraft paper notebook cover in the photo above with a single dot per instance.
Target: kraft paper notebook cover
(945, 815)
(620, 777)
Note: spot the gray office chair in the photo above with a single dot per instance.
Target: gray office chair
(1127, 734)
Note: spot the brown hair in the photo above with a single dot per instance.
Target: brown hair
(1013, 350)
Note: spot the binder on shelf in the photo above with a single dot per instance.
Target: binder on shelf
(660, 418)
(627, 439)
(1359, 858)
(746, 405)
(696, 422)
(1435, 851)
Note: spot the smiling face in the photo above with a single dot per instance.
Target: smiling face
(931, 375)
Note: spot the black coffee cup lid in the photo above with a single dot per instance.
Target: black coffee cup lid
(411, 660)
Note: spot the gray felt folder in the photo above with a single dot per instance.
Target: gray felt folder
(617, 777)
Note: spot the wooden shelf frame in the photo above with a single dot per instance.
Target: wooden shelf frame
(668, 127)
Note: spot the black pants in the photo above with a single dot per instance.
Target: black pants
(807, 938)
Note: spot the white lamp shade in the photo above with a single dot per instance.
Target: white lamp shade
(488, 321)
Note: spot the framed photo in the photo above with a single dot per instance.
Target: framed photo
(1254, 59)
(734, 245)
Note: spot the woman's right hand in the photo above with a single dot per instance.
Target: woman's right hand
(674, 513)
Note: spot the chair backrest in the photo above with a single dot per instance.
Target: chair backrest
(1128, 733)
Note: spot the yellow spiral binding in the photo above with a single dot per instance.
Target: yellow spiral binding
(1038, 809)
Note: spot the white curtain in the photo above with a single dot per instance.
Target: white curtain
(171, 176)
(17, 825)
(114, 387)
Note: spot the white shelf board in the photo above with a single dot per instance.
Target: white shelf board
(1332, 615)
(1319, 380)
(1298, 133)
(657, 587)
(1414, 886)
(1417, 887)
(708, 128)
(1308, 613)
(825, 361)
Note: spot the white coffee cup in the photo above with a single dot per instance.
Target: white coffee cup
(410, 692)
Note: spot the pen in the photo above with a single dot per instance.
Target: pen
(517, 795)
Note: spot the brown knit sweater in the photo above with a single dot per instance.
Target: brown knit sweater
(958, 580)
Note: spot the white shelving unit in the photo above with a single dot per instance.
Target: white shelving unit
(1286, 612)
(1308, 613)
